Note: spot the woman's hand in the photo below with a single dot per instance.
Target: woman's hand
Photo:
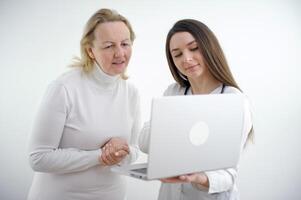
(197, 178)
(114, 151)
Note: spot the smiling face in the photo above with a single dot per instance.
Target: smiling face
(186, 55)
(112, 47)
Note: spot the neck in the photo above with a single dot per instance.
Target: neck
(204, 85)
(104, 79)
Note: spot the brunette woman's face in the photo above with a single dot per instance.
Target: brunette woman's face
(187, 56)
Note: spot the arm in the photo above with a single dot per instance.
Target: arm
(219, 180)
(223, 180)
(211, 182)
(136, 126)
(133, 143)
(144, 137)
(44, 152)
(118, 150)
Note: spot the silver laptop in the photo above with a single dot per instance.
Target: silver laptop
(191, 134)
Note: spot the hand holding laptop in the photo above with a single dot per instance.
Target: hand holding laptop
(200, 124)
(114, 151)
(197, 178)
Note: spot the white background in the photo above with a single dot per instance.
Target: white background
(261, 40)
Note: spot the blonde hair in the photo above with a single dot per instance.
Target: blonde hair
(99, 17)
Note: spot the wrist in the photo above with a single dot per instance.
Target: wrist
(202, 180)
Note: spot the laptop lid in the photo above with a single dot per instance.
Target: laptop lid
(194, 133)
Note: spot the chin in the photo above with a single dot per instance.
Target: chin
(119, 72)
(194, 75)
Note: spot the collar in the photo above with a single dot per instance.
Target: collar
(217, 90)
(102, 79)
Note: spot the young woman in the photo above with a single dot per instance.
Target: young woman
(198, 65)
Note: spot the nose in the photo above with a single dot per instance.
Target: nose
(187, 57)
(119, 52)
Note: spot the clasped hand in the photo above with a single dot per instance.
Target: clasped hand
(114, 151)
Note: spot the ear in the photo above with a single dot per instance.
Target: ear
(90, 53)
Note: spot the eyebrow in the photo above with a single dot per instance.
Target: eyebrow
(189, 43)
(125, 40)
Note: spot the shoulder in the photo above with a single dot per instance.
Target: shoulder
(247, 101)
(174, 89)
(71, 76)
(232, 90)
(62, 84)
(66, 83)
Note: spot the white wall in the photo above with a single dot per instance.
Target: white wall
(261, 40)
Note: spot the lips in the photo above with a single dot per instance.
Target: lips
(118, 62)
(191, 67)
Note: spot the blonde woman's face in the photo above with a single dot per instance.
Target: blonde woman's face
(112, 47)
(186, 55)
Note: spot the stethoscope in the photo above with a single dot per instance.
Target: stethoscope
(222, 91)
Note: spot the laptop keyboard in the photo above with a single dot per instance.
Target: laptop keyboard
(141, 170)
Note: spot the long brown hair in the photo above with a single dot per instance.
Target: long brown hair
(209, 47)
(211, 50)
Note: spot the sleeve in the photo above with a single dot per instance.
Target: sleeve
(44, 152)
(144, 135)
(248, 122)
(133, 141)
(223, 180)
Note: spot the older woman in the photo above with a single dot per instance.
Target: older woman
(89, 119)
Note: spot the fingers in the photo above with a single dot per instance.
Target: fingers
(117, 145)
(118, 142)
(185, 178)
(117, 150)
(198, 178)
(194, 178)
(112, 156)
(114, 151)
(125, 148)
(171, 180)
(107, 155)
(103, 160)
(179, 179)
(121, 153)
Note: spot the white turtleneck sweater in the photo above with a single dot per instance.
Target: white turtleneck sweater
(79, 113)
